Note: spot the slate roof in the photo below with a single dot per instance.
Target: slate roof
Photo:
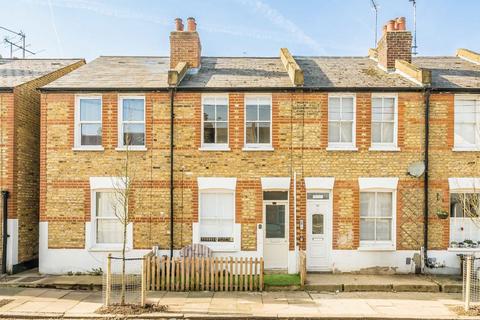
(117, 72)
(14, 72)
(451, 72)
(109, 72)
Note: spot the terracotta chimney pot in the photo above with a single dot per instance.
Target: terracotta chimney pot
(391, 25)
(401, 24)
(191, 24)
(178, 24)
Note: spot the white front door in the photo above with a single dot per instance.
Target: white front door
(275, 242)
(319, 231)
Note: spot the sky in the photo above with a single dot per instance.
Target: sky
(90, 28)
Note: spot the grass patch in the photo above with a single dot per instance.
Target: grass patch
(282, 279)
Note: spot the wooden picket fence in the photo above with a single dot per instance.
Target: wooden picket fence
(203, 274)
(303, 267)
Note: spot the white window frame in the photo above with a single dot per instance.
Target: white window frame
(467, 147)
(386, 146)
(77, 146)
(215, 146)
(257, 146)
(121, 146)
(378, 185)
(342, 146)
(104, 184)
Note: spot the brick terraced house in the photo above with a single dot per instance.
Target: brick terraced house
(20, 154)
(355, 160)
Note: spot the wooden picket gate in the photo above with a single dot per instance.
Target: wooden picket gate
(203, 274)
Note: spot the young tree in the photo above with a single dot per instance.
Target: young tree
(122, 194)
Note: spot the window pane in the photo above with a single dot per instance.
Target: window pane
(333, 132)
(90, 109)
(251, 113)
(134, 134)
(376, 132)
(334, 109)
(275, 195)
(109, 231)
(133, 110)
(222, 113)
(384, 229)
(108, 204)
(367, 204)
(208, 206)
(377, 109)
(208, 112)
(264, 132)
(387, 132)
(384, 204)
(367, 229)
(208, 132)
(216, 216)
(465, 111)
(264, 111)
(389, 109)
(222, 132)
(275, 221)
(251, 132)
(317, 223)
(465, 133)
(347, 108)
(346, 132)
(91, 134)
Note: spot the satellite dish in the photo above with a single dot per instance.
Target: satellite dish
(416, 169)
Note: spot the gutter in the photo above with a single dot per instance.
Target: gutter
(6, 89)
(172, 118)
(5, 195)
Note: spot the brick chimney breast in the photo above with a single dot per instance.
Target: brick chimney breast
(185, 46)
(396, 43)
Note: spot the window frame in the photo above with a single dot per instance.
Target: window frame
(77, 145)
(467, 147)
(257, 146)
(223, 246)
(121, 122)
(462, 223)
(342, 146)
(95, 219)
(215, 146)
(376, 146)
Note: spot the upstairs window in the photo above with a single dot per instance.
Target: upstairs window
(88, 128)
(132, 122)
(341, 122)
(384, 122)
(467, 123)
(215, 122)
(258, 122)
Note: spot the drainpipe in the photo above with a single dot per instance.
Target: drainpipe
(5, 195)
(295, 212)
(425, 177)
(172, 117)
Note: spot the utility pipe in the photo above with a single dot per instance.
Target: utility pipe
(172, 118)
(5, 195)
(425, 178)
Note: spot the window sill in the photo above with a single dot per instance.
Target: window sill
(133, 148)
(90, 148)
(467, 149)
(384, 148)
(108, 248)
(217, 247)
(259, 148)
(342, 148)
(214, 148)
(460, 250)
(374, 248)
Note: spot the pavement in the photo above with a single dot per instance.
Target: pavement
(56, 303)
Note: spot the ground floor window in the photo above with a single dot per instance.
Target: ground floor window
(465, 220)
(217, 216)
(376, 218)
(108, 218)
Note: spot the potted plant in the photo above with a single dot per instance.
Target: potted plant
(468, 243)
(442, 214)
(454, 244)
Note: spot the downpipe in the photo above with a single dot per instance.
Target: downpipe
(172, 131)
(5, 195)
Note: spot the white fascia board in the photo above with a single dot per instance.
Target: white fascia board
(319, 183)
(464, 184)
(107, 183)
(282, 183)
(378, 183)
(205, 183)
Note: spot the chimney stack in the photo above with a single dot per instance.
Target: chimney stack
(396, 43)
(185, 46)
